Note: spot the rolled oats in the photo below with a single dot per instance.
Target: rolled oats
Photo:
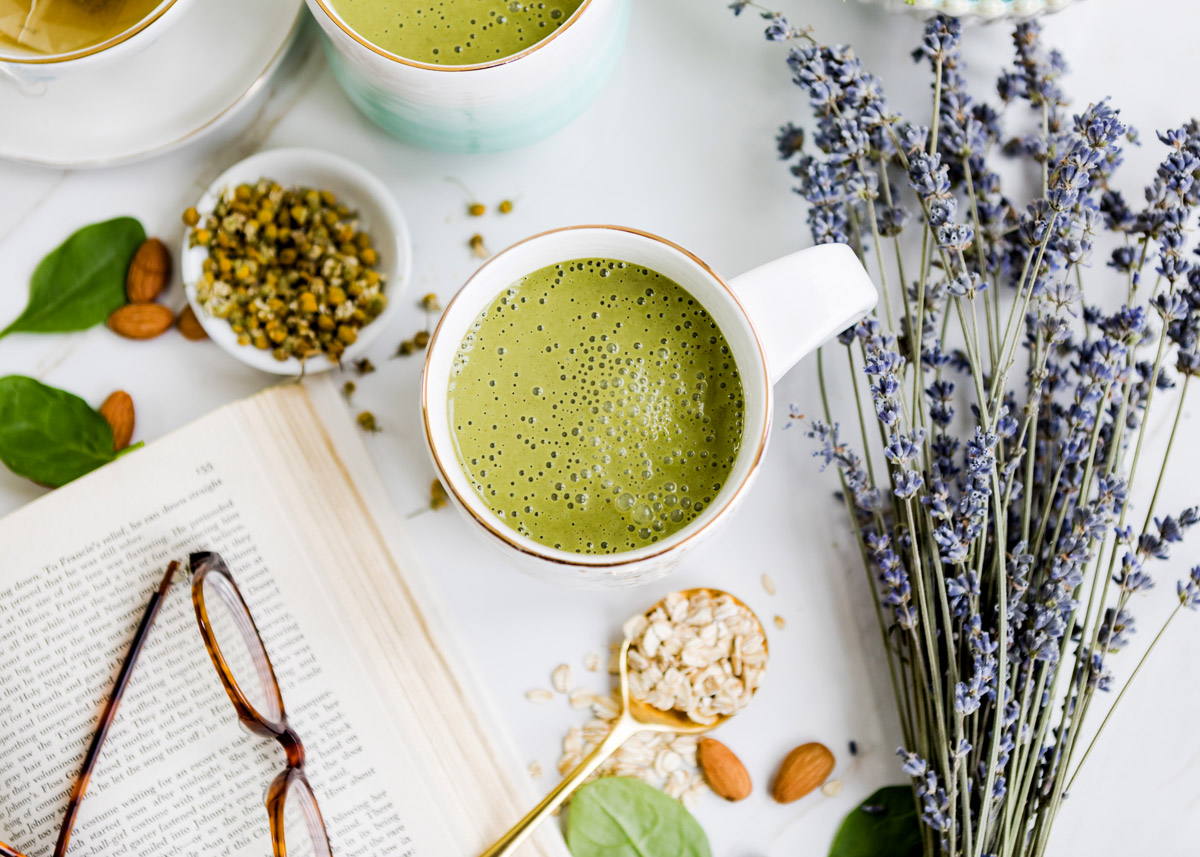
(535, 770)
(768, 583)
(561, 678)
(664, 760)
(539, 695)
(702, 655)
(592, 662)
(581, 697)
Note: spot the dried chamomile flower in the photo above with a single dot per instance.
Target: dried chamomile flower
(348, 390)
(476, 209)
(421, 338)
(478, 250)
(437, 495)
(430, 303)
(366, 421)
(288, 268)
(405, 348)
(505, 206)
(364, 366)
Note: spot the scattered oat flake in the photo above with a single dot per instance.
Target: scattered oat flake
(539, 695)
(581, 697)
(780, 622)
(592, 662)
(535, 769)
(832, 788)
(768, 583)
(561, 678)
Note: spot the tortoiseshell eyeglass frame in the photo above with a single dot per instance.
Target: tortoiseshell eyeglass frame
(292, 777)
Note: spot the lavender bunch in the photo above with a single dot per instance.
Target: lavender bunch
(1001, 412)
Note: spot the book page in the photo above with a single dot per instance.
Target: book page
(177, 774)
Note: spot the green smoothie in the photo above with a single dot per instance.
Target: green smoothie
(455, 32)
(595, 406)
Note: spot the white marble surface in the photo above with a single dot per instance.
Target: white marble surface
(680, 144)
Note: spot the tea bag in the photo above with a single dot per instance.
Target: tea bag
(13, 15)
(60, 26)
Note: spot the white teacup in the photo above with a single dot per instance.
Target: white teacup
(771, 317)
(31, 71)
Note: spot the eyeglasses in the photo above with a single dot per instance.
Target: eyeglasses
(237, 651)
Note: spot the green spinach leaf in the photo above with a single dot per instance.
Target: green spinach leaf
(618, 817)
(883, 825)
(49, 435)
(82, 280)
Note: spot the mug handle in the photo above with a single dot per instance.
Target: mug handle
(799, 301)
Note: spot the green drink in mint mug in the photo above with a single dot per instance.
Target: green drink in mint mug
(597, 399)
(472, 75)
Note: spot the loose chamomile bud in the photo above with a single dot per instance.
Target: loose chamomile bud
(405, 348)
(364, 366)
(366, 421)
(430, 303)
(421, 338)
(437, 495)
(476, 209)
(505, 206)
(348, 390)
(477, 248)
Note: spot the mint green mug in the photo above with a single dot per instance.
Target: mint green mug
(487, 107)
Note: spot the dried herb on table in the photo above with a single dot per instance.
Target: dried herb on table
(49, 435)
(363, 366)
(82, 280)
(367, 422)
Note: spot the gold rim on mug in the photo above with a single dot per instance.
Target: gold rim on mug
(95, 49)
(345, 28)
(585, 559)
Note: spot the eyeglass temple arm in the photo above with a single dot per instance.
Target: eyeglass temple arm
(8, 851)
(110, 712)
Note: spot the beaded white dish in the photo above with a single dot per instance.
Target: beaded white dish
(986, 9)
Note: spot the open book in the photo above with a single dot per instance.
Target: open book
(404, 759)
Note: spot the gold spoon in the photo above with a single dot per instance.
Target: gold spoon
(636, 716)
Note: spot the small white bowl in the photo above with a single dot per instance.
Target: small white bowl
(379, 217)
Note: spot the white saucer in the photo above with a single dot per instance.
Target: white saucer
(211, 62)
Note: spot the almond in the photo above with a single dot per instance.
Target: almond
(724, 771)
(118, 410)
(149, 272)
(189, 325)
(803, 770)
(140, 321)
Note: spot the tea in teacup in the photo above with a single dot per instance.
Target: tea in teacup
(595, 406)
(455, 32)
(63, 26)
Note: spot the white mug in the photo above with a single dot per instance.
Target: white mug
(771, 317)
(32, 72)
